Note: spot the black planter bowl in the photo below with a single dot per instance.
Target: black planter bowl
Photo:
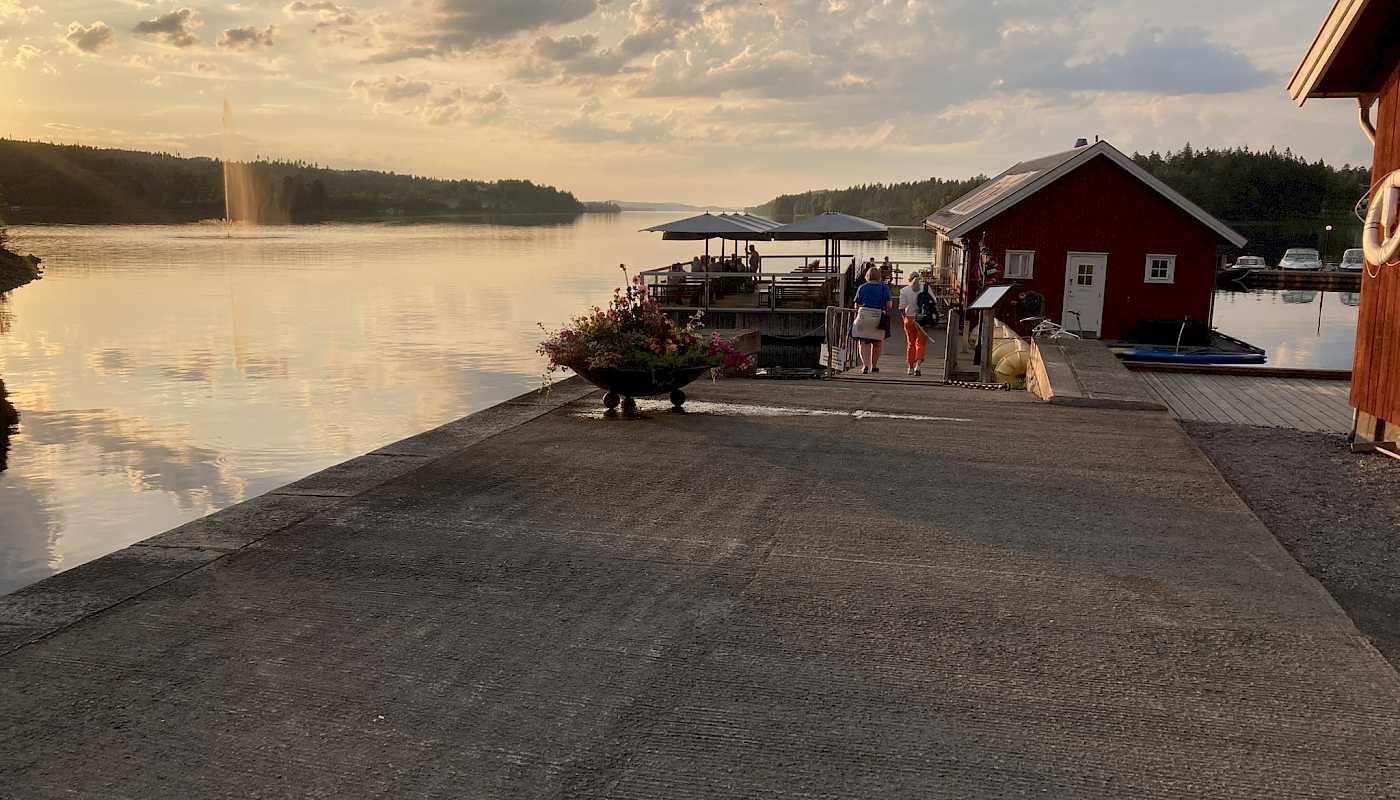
(623, 385)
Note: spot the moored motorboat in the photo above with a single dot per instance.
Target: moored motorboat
(1190, 355)
(1212, 348)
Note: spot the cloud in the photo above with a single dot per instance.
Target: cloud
(16, 10)
(203, 69)
(89, 39)
(323, 10)
(389, 90)
(335, 24)
(303, 7)
(25, 55)
(463, 23)
(590, 126)
(175, 28)
(436, 106)
(459, 105)
(456, 27)
(1174, 62)
(247, 38)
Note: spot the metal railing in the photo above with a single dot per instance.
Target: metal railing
(740, 291)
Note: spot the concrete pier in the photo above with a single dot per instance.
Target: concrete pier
(806, 589)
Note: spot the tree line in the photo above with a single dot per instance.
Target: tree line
(892, 203)
(1276, 198)
(76, 183)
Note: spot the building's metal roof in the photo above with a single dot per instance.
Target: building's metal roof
(1003, 192)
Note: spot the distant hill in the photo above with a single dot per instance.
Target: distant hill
(890, 203)
(1277, 199)
(631, 206)
(73, 183)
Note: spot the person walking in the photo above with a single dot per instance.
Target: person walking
(911, 298)
(872, 323)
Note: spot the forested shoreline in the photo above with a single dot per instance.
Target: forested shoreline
(1277, 199)
(76, 183)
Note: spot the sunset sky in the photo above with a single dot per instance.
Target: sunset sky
(716, 101)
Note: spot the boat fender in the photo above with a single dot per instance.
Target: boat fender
(1379, 238)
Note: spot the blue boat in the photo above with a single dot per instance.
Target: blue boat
(1165, 355)
(1222, 349)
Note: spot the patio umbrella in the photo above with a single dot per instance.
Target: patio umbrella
(758, 228)
(833, 226)
(707, 226)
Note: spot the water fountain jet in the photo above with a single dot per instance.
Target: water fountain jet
(238, 184)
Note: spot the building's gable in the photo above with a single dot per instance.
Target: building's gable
(1011, 189)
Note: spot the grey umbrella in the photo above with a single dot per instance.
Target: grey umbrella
(833, 226)
(707, 226)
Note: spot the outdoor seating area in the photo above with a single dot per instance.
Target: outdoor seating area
(746, 279)
(750, 280)
(682, 290)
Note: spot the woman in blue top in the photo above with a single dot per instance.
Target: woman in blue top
(871, 326)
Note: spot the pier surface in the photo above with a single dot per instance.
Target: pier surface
(820, 590)
(1296, 403)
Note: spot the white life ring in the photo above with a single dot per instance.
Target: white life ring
(1379, 238)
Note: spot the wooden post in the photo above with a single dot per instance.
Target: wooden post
(951, 343)
(707, 290)
(984, 335)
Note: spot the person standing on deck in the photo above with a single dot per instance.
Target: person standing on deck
(916, 339)
(755, 260)
(872, 323)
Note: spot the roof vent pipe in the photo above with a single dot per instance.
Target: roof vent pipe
(1081, 142)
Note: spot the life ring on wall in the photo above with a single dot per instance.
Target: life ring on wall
(1378, 237)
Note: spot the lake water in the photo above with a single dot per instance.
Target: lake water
(1296, 328)
(164, 372)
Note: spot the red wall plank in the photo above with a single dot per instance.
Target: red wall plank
(1377, 361)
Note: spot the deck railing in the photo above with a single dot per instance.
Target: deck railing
(736, 289)
(743, 291)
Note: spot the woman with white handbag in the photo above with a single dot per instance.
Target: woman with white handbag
(872, 323)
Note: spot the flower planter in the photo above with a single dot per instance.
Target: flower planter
(623, 385)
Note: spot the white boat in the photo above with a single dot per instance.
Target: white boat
(1353, 260)
(1301, 259)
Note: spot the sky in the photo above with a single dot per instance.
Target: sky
(721, 102)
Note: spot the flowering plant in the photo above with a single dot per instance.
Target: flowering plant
(634, 333)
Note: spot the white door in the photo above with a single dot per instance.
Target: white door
(1085, 275)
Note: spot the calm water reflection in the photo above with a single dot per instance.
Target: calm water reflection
(165, 372)
(1295, 328)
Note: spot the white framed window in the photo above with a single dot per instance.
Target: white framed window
(1160, 268)
(1020, 264)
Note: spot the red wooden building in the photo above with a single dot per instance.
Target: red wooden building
(1106, 244)
(1355, 55)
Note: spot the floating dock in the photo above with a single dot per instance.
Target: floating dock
(1304, 400)
(1298, 279)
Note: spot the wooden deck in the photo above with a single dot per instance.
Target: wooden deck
(893, 368)
(1303, 404)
